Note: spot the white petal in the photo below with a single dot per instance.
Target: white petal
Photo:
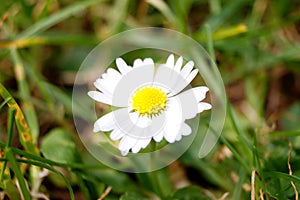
(105, 123)
(200, 92)
(141, 144)
(107, 90)
(173, 120)
(134, 116)
(105, 85)
(122, 120)
(185, 129)
(158, 137)
(140, 121)
(145, 143)
(178, 137)
(108, 82)
(203, 106)
(116, 134)
(178, 64)
(142, 127)
(186, 70)
(191, 76)
(122, 66)
(125, 152)
(167, 77)
(126, 143)
(148, 61)
(171, 131)
(104, 76)
(173, 78)
(98, 96)
(137, 63)
(170, 61)
(113, 74)
(143, 122)
(189, 103)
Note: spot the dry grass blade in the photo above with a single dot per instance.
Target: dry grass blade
(253, 185)
(106, 192)
(261, 194)
(291, 172)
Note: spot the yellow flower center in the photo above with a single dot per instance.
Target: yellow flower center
(149, 101)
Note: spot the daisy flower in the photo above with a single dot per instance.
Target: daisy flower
(150, 103)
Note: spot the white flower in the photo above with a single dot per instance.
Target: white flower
(150, 102)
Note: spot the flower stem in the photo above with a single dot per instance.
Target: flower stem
(154, 175)
(156, 184)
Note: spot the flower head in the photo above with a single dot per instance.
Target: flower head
(151, 102)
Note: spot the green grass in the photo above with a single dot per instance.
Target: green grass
(256, 47)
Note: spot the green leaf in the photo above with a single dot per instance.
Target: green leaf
(120, 182)
(279, 185)
(59, 146)
(190, 193)
(11, 190)
(280, 188)
(132, 196)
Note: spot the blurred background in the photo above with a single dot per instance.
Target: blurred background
(256, 45)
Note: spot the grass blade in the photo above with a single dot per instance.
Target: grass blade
(239, 186)
(42, 165)
(14, 165)
(57, 17)
(282, 175)
(284, 133)
(165, 10)
(24, 90)
(4, 102)
(23, 129)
